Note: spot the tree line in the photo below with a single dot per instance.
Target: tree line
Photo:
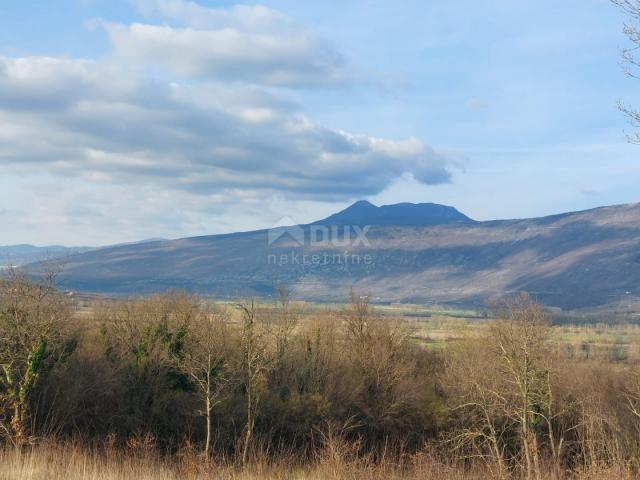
(233, 379)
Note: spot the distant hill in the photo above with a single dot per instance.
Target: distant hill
(413, 253)
(18, 255)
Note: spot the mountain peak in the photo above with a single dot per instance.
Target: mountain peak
(402, 214)
(362, 204)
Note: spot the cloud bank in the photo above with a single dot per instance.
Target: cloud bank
(201, 104)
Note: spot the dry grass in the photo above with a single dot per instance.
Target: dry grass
(74, 463)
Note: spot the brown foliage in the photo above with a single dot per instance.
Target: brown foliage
(275, 387)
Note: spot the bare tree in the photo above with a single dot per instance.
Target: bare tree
(358, 316)
(283, 323)
(254, 365)
(204, 357)
(477, 402)
(514, 400)
(629, 57)
(521, 337)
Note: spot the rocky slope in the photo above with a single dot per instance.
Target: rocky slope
(402, 253)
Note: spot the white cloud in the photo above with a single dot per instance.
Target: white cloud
(252, 44)
(198, 138)
(208, 133)
(293, 59)
(246, 17)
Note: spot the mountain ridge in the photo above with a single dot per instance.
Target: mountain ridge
(408, 214)
(583, 259)
(23, 254)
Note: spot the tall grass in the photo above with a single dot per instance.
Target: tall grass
(74, 462)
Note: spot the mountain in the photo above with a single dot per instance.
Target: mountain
(138, 242)
(18, 255)
(407, 253)
(408, 214)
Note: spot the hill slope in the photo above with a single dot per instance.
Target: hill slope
(574, 260)
(17, 255)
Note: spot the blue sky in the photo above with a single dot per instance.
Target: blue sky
(122, 120)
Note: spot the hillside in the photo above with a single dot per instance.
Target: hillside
(18, 255)
(571, 261)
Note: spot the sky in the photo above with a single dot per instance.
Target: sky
(122, 120)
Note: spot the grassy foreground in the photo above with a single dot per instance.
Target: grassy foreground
(75, 463)
(70, 462)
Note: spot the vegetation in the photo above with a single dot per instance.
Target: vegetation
(172, 386)
(629, 55)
